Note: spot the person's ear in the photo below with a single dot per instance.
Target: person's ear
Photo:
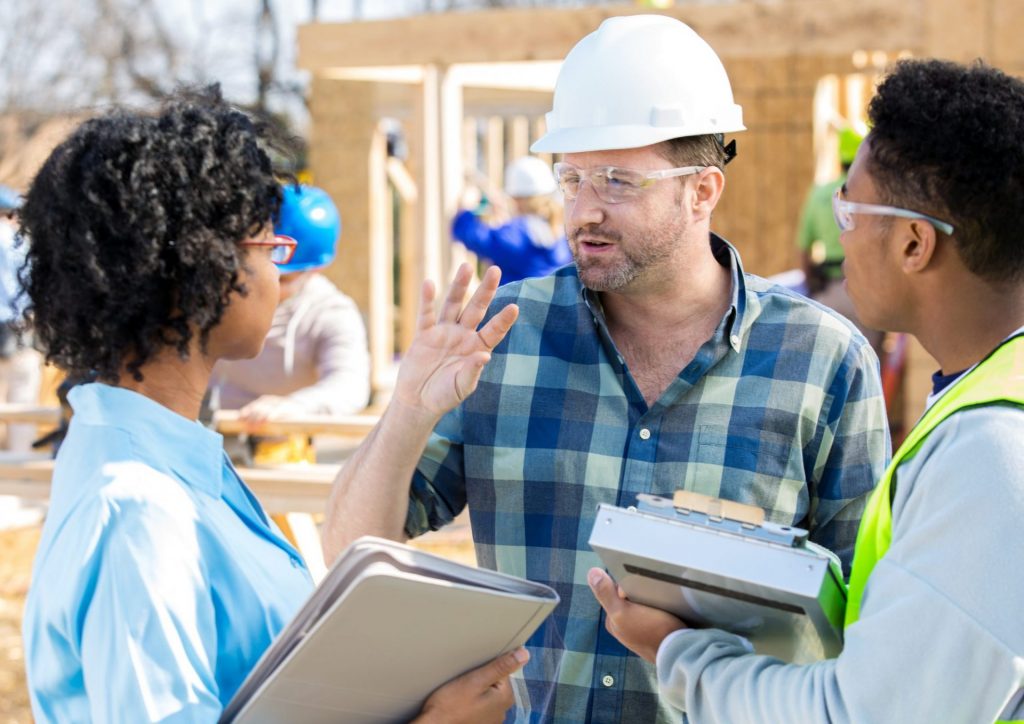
(707, 191)
(917, 245)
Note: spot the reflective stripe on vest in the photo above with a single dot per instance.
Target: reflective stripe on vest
(998, 378)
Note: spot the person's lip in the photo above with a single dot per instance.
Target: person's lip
(596, 244)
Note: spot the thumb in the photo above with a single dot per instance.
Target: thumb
(604, 590)
(467, 377)
(499, 669)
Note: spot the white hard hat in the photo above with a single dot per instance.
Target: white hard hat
(529, 176)
(638, 80)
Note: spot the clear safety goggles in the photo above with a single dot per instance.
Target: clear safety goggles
(843, 212)
(612, 184)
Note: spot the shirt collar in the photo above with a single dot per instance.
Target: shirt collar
(726, 255)
(193, 453)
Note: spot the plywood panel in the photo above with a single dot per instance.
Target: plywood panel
(1007, 50)
(734, 29)
(957, 30)
(343, 127)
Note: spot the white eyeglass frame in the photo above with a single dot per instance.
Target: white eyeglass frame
(649, 177)
(842, 209)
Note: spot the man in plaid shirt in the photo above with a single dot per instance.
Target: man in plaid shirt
(652, 363)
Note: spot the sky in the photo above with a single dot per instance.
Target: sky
(227, 57)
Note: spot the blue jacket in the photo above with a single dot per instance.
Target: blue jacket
(524, 247)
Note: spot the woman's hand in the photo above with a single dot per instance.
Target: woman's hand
(639, 628)
(448, 353)
(480, 696)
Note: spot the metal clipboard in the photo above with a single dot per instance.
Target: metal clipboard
(715, 564)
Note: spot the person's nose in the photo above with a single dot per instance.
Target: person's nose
(586, 208)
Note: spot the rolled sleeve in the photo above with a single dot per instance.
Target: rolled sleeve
(438, 490)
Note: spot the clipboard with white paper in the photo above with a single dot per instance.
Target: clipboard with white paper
(385, 628)
(716, 564)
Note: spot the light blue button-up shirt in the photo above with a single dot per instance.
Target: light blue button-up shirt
(159, 580)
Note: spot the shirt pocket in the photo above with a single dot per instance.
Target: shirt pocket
(750, 465)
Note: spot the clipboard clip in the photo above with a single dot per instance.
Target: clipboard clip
(726, 516)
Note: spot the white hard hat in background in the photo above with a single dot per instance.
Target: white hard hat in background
(529, 176)
(638, 80)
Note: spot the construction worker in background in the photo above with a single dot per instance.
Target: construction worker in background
(931, 218)
(20, 364)
(529, 244)
(315, 360)
(821, 254)
(651, 363)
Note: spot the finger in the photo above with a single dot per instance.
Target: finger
(427, 318)
(604, 591)
(498, 669)
(498, 326)
(452, 306)
(481, 299)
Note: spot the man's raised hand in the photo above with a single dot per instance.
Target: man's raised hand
(448, 353)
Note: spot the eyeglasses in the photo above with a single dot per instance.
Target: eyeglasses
(612, 184)
(843, 212)
(282, 248)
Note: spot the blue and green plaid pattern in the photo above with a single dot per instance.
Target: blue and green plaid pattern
(782, 408)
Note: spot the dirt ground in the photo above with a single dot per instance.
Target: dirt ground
(18, 546)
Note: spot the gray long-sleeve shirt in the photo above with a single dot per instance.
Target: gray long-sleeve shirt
(315, 354)
(940, 637)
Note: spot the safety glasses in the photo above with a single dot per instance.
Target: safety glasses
(612, 184)
(282, 248)
(843, 212)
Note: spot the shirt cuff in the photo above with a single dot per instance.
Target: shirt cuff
(667, 641)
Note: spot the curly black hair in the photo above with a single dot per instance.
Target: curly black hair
(948, 140)
(133, 225)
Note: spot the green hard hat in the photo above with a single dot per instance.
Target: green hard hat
(849, 142)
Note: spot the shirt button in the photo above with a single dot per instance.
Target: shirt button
(608, 680)
(735, 339)
(645, 434)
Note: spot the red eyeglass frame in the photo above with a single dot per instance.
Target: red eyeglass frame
(279, 240)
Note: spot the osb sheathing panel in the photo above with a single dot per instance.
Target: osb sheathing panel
(1007, 24)
(736, 30)
(344, 121)
(767, 183)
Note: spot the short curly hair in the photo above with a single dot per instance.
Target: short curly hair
(133, 225)
(948, 140)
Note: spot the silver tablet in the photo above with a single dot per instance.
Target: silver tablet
(762, 581)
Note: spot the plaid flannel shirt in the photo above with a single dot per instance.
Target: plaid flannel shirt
(781, 408)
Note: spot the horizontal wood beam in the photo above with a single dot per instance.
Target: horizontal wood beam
(737, 30)
(32, 414)
(228, 422)
(297, 488)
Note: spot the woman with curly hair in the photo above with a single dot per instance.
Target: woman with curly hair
(159, 580)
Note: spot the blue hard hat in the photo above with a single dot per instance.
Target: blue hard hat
(10, 199)
(310, 218)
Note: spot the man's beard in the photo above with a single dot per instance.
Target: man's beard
(645, 254)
